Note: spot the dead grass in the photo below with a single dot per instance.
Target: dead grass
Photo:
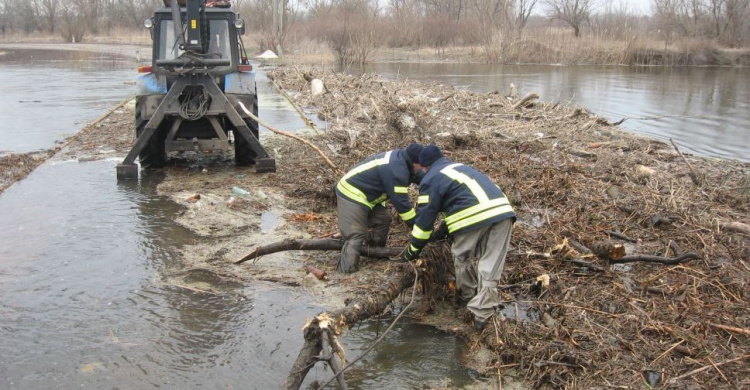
(552, 46)
(571, 176)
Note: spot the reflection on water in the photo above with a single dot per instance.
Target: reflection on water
(705, 110)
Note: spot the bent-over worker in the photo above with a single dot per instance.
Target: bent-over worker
(361, 195)
(479, 220)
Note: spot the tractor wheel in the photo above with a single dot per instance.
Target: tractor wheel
(152, 155)
(243, 153)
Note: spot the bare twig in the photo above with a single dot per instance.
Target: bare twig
(731, 329)
(620, 236)
(298, 138)
(693, 175)
(656, 259)
(704, 368)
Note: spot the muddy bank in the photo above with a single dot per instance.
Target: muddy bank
(578, 182)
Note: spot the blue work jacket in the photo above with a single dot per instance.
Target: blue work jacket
(468, 198)
(384, 176)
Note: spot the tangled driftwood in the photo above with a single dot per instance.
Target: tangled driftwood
(603, 324)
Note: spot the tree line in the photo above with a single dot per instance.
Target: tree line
(354, 29)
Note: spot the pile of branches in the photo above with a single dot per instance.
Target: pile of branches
(672, 310)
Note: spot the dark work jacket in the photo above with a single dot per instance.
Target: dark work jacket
(468, 198)
(384, 176)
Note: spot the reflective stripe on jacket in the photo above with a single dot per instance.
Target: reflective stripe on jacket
(384, 176)
(468, 198)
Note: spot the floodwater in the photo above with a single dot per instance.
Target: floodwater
(90, 276)
(705, 110)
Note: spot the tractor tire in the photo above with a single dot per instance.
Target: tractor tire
(243, 153)
(153, 154)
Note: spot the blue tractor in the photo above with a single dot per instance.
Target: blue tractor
(199, 91)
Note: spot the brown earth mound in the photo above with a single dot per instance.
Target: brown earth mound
(580, 185)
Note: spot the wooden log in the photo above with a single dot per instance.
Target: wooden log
(526, 100)
(326, 244)
(354, 312)
(656, 259)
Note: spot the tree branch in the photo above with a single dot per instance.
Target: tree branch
(326, 244)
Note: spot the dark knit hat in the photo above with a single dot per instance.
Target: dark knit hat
(413, 151)
(430, 154)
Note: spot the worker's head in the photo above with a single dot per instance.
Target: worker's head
(413, 151)
(429, 155)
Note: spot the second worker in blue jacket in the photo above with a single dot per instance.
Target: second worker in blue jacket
(479, 219)
(361, 197)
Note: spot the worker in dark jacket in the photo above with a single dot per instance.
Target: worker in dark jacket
(361, 195)
(479, 220)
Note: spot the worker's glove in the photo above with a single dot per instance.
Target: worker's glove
(410, 223)
(409, 255)
(441, 233)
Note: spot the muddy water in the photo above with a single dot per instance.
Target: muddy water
(705, 110)
(88, 296)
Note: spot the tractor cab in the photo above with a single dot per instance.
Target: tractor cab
(218, 43)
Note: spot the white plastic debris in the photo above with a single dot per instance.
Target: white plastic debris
(268, 54)
(316, 87)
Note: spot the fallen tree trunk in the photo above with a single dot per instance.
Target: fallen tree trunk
(326, 244)
(354, 312)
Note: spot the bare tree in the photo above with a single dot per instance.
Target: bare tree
(47, 13)
(573, 12)
(524, 9)
(73, 21)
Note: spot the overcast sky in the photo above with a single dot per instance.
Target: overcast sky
(641, 6)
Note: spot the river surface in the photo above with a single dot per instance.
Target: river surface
(85, 264)
(705, 110)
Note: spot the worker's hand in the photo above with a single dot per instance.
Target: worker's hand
(441, 233)
(409, 255)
